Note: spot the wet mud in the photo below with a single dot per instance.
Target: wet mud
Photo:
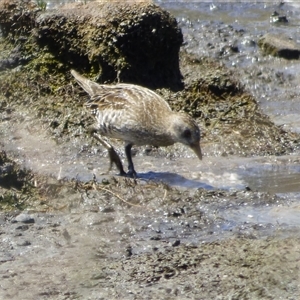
(83, 234)
(120, 238)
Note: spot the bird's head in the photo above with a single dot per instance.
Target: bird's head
(186, 131)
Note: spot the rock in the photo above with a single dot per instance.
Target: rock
(22, 227)
(5, 258)
(135, 42)
(17, 17)
(23, 243)
(15, 58)
(66, 235)
(176, 243)
(24, 218)
(128, 251)
(277, 18)
(11, 175)
(279, 45)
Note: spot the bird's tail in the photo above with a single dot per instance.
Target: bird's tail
(89, 86)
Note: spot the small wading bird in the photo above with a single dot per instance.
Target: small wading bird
(138, 116)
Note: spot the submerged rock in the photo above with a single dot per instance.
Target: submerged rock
(277, 18)
(279, 45)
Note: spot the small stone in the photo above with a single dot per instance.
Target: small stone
(24, 243)
(176, 243)
(108, 209)
(23, 227)
(155, 238)
(5, 258)
(25, 218)
(66, 235)
(128, 251)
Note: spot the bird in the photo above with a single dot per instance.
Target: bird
(138, 116)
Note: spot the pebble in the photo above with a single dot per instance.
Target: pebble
(23, 227)
(24, 243)
(24, 218)
(176, 243)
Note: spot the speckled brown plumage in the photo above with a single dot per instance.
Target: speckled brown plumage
(138, 116)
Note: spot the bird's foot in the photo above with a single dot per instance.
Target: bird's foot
(131, 174)
(122, 173)
(114, 158)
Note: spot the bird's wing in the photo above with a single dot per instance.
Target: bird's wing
(117, 97)
(107, 101)
(102, 96)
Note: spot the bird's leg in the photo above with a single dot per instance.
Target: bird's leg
(131, 171)
(113, 155)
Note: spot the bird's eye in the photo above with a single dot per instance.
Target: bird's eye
(187, 134)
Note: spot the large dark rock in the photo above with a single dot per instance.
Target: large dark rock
(279, 45)
(135, 42)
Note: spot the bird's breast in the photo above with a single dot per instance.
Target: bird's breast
(133, 132)
(142, 124)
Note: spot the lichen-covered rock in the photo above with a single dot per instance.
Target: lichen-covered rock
(279, 45)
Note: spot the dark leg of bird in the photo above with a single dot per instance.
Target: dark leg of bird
(113, 155)
(114, 158)
(131, 171)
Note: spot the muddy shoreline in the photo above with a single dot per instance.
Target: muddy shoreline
(112, 237)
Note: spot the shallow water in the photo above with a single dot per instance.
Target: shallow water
(273, 174)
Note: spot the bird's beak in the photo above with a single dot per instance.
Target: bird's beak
(196, 148)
